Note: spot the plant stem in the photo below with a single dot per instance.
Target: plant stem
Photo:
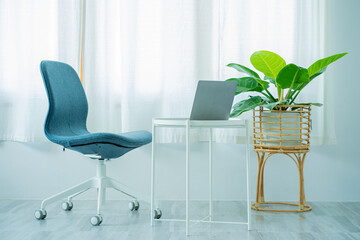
(292, 84)
(271, 96)
(287, 95)
(294, 97)
(279, 93)
(291, 94)
(266, 95)
(296, 90)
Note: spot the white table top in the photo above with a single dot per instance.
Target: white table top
(181, 122)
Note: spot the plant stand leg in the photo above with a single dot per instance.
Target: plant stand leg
(260, 180)
(301, 160)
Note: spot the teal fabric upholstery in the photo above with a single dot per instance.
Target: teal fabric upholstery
(65, 123)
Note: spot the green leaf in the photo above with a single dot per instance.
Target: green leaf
(322, 63)
(262, 82)
(312, 104)
(291, 76)
(246, 84)
(272, 105)
(272, 80)
(243, 69)
(267, 62)
(318, 73)
(302, 85)
(246, 105)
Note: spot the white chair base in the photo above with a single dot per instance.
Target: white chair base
(100, 182)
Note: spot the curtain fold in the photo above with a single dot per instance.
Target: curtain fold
(31, 31)
(310, 28)
(143, 59)
(161, 49)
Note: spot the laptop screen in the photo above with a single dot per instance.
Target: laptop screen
(213, 100)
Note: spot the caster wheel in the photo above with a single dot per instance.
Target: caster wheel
(96, 220)
(157, 213)
(40, 214)
(67, 206)
(134, 205)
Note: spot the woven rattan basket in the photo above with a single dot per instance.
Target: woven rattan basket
(284, 130)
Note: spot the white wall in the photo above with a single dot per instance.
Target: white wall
(35, 171)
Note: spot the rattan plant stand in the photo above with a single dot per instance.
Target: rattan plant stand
(281, 131)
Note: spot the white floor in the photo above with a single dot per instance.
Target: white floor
(333, 220)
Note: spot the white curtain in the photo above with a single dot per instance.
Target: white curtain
(142, 59)
(31, 31)
(310, 42)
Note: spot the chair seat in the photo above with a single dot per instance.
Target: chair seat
(129, 140)
(107, 145)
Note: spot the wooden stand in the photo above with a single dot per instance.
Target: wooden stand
(281, 132)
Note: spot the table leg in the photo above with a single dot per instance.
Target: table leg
(210, 175)
(187, 176)
(247, 174)
(152, 199)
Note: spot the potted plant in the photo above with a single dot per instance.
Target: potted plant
(280, 119)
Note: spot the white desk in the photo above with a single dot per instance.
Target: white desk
(188, 124)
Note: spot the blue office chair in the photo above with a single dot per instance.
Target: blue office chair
(66, 125)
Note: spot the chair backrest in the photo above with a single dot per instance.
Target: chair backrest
(68, 107)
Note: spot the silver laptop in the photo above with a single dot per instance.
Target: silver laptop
(213, 100)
